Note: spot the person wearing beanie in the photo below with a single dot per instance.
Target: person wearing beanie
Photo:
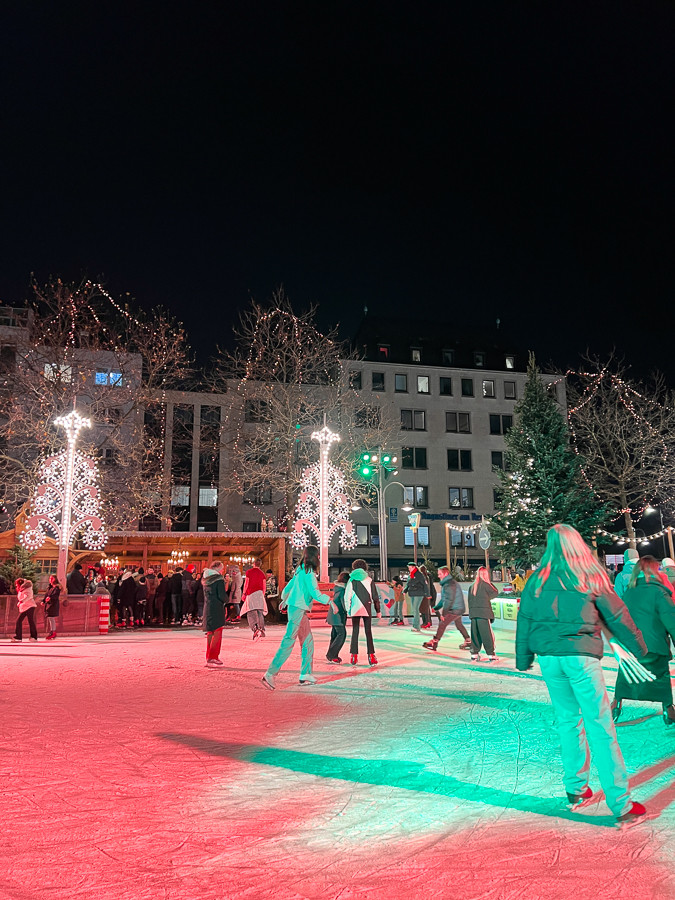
(630, 558)
(668, 567)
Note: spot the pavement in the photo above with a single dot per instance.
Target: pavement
(130, 770)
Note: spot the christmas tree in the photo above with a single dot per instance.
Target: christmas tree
(542, 484)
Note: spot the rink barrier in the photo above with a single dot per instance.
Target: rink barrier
(79, 614)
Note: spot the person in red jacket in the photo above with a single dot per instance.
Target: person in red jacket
(253, 597)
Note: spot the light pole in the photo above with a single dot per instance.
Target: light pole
(382, 523)
(668, 531)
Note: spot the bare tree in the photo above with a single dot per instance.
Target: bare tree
(624, 433)
(76, 344)
(285, 379)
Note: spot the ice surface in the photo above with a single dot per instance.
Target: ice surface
(132, 771)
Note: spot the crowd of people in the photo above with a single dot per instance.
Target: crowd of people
(571, 606)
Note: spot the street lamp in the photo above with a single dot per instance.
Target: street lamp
(652, 509)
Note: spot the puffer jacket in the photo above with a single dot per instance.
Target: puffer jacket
(452, 598)
(652, 608)
(480, 603)
(623, 578)
(214, 599)
(564, 622)
(417, 585)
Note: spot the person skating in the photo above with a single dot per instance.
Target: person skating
(415, 588)
(214, 612)
(26, 603)
(451, 607)
(396, 608)
(650, 602)
(51, 604)
(360, 598)
(622, 580)
(338, 621)
(254, 606)
(428, 599)
(297, 597)
(563, 609)
(481, 594)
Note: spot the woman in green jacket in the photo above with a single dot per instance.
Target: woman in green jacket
(564, 608)
(650, 602)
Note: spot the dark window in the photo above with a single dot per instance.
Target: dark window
(448, 357)
(479, 359)
(255, 410)
(378, 381)
(467, 387)
(413, 420)
(510, 390)
(497, 459)
(401, 384)
(488, 388)
(553, 389)
(355, 381)
(414, 457)
(460, 497)
(445, 387)
(250, 526)
(507, 424)
(367, 417)
(459, 460)
(460, 423)
(497, 496)
(495, 424)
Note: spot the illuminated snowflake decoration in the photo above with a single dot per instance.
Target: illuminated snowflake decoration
(323, 506)
(67, 501)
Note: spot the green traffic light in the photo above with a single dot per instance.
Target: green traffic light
(365, 470)
(386, 459)
(365, 457)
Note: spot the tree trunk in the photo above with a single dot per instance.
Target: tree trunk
(629, 525)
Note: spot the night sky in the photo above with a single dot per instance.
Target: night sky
(466, 161)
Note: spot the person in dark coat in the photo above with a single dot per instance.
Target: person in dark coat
(451, 607)
(565, 606)
(175, 591)
(649, 600)
(52, 604)
(76, 583)
(416, 588)
(481, 594)
(427, 600)
(199, 599)
(141, 601)
(161, 611)
(214, 612)
(188, 592)
(337, 619)
(126, 598)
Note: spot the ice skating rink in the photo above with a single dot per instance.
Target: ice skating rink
(132, 771)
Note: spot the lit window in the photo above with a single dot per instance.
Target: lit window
(361, 535)
(415, 354)
(101, 378)
(422, 384)
(461, 498)
(180, 495)
(510, 362)
(208, 496)
(488, 388)
(422, 536)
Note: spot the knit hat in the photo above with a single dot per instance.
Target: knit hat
(631, 555)
(668, 562)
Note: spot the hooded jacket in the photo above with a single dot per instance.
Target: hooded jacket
(652, 608)
(302, 590)
(126, 593)
(339, 617)
(361, 595)
(214, 599)
(480, 602)
(452, 598)
(25, 598)
(624, 576)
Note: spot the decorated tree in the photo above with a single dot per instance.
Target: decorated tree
(542, 484)
(624, 433)
(285, 378)
(77, 344)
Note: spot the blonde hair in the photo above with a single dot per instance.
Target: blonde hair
(481, 575)
(569, 558)
(649, 567)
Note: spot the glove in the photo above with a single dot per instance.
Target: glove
(438, 607)
(633, 671)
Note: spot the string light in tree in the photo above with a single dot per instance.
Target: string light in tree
(323, 507)
(67, 500)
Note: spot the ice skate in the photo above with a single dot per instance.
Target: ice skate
(33, 639)
(372, 659)
(268, 681)
(493, 658)
(335, 662)
(634, 816)
(465, 646)
(575, 801)
(616, 709)
(418, 630)
(431, 645)
(353, 659)
(475, 657)
(307, 679)
(257, 634)
(669, 714)
(211, 664)
(16, 640)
